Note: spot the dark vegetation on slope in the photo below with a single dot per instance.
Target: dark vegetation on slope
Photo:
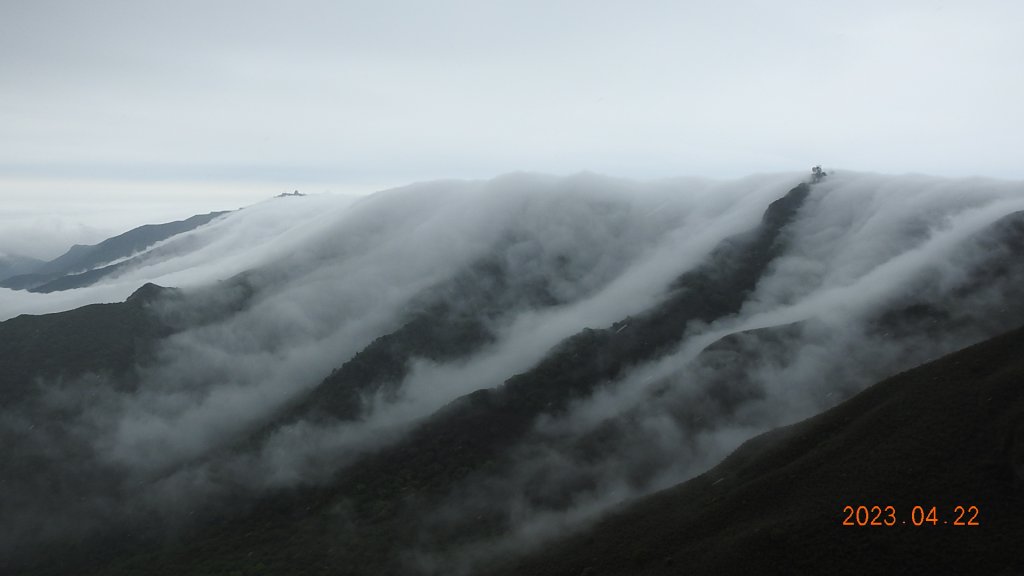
(107, 339)
(454, 319)
(995, 263)
(54, 367)
(99, 338)
(60, 273)
(371, 509)
(980, 304)
(375, 507)
(451, 320)
(723, 385)
(945, 434)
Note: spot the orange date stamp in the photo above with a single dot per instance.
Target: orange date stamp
(918, 516)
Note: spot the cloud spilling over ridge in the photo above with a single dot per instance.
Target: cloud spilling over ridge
(229, 245)
(330, 275)
(877, 273)
(714, 213)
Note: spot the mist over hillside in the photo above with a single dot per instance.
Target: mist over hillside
(426, 378)
(85, 265)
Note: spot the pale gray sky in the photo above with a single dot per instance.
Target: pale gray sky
(217, 104)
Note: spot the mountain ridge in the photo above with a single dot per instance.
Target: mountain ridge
(428, 442)
(78, 266)
(697, 526)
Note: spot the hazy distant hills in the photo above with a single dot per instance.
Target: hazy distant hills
(11, 265)
(451, 377)
(84, 265)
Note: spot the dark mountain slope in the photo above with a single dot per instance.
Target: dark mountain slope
(372, 508)
(99, 338)
(394, 497)
(991, 272)
(51, 367)
(82, 258)
(454, 319)
(109, 339)
(54, 368)
(945, 434)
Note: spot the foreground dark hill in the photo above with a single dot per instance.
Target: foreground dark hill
(947, 434)
(74, 268)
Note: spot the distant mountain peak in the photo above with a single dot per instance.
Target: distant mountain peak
(147, 293)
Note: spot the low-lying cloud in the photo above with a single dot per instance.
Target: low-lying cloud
(330, 275)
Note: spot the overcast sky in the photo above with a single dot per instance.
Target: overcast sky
(188, 104)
